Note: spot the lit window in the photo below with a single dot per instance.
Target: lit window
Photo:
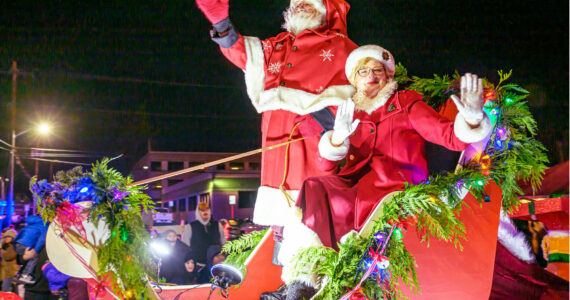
(237, 166)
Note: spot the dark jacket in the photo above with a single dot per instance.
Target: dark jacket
(199, 275)
(41, 286)
(172, 268)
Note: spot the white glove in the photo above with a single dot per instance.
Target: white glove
(470, 106)
(343, 124)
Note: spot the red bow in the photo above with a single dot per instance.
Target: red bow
(358, 294)
(69, 215)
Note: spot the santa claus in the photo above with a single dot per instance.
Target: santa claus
(295, 73)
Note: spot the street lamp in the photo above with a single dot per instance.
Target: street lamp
(42, 129)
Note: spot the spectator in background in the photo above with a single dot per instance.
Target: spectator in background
(203, 232)
(57, 281)
(172, 268)
(215, 255)
(32, 238)
(194, 274)
(9, 266)
(39, 290)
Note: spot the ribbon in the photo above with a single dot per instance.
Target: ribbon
(358, 295)
(377, 257)
(69, 215)
(100, 286)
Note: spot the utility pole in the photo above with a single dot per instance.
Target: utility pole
(10, 200)
(2, 190)
(2, 208)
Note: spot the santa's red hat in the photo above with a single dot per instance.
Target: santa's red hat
(373, 51)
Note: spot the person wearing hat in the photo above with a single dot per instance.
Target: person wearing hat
(203, 233)
(172, 264)
(381, 132)
(295, 73)
(9, 265)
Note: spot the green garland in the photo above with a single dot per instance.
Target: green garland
(239, 250)
(124, 256)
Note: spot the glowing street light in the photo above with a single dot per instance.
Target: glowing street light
(43, 129)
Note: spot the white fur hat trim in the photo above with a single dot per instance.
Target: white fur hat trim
(318, 4)
(373, 51)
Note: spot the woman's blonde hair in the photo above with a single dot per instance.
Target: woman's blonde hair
(360, 65)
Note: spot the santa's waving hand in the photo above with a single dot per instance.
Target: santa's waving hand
(214, 10)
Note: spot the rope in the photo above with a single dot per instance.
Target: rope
(213, 163)
(288, 196)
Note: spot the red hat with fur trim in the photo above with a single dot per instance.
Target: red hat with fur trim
(373, 51)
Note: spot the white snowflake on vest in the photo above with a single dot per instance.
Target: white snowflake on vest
(279, 46)
(320, 89)
(326, 55)
(266, 45)
(274, 68)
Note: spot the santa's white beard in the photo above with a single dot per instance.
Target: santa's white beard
(295, 23)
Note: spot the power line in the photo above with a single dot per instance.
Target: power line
(85, 76)
(58, 161)
(152, 114)
(58, 155)
(56, 150)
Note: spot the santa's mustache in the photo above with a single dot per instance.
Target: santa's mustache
(297, 22)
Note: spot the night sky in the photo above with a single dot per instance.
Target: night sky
(112, 76)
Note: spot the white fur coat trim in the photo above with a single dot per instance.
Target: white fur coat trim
(514, 240)
(297, 236)
(470, 135)
(330, 152)
(293, 100)
(370, 105)
(254, 73)
(270, 206)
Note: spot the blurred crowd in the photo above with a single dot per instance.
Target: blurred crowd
(26, 270)
(186, 258)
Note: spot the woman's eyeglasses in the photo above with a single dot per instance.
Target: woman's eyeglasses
(365, 72)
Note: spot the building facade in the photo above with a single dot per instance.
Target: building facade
(230, 187)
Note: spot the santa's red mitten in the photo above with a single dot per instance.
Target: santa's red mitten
(214, 10)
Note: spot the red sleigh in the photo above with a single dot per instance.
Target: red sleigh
(444, 271)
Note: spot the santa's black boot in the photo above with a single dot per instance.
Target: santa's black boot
(298, 290)
(279, 294)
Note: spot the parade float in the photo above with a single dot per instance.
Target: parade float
(437, 239)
